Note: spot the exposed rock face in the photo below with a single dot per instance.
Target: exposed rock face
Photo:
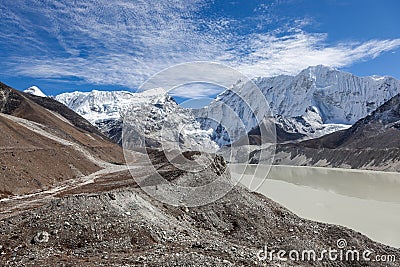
(317, 101)
(371, 143)
(112, 128)
(156, 119)
(127, 227)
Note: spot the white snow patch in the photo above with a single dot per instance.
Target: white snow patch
(34, 90)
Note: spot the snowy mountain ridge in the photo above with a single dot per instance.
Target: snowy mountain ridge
(96, 106)
(153, 114)
(340, 97)
(317, 101)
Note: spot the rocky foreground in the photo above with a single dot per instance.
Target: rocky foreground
(112, 222)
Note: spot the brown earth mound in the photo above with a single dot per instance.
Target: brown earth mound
(42, 142)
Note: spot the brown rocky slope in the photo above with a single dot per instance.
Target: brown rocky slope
(42, 143)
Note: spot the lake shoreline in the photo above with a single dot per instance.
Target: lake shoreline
(363, 200)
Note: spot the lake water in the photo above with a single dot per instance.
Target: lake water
(366, 201)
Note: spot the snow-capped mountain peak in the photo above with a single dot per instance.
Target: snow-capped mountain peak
(152, 113)
(97, 105)
(34, 90)
(338, 99)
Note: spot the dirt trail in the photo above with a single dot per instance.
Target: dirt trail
(11, 205)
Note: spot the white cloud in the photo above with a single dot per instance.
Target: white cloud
(290, 54)
(196, 90)
(125, 42)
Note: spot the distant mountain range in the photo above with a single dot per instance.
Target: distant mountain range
(317, 101)
(317, 105)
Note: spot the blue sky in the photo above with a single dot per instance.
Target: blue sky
(67, 45)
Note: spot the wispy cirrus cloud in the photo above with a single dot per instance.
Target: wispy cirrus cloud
(124, 42)
(289, 54)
